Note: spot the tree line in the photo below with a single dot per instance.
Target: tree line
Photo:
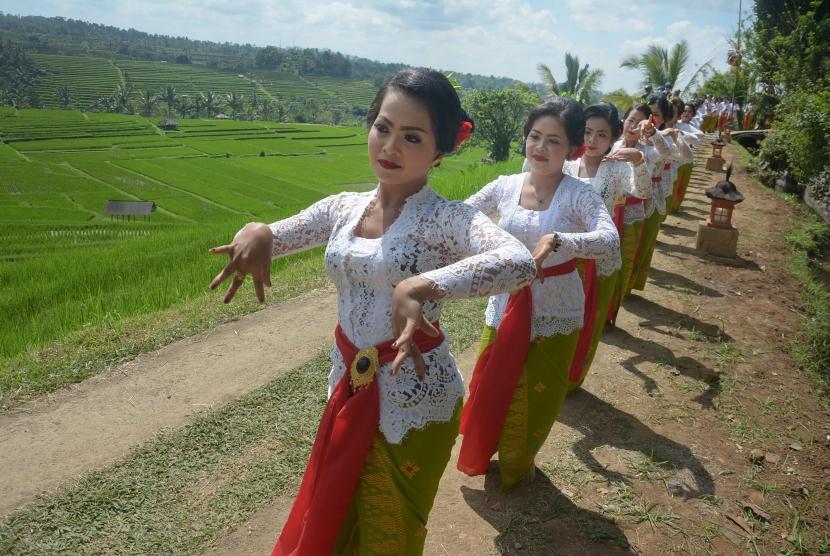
(58, 35)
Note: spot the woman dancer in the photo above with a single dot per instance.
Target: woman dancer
(692, 136)
(613, 176)
(638, 130)
(530, 337)
(395, 254)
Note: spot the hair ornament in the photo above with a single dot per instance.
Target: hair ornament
(578, 152)
(465, 130)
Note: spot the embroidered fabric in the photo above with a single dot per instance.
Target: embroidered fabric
(579, 217)
(461, 251)
(614, 179)
(653, 154)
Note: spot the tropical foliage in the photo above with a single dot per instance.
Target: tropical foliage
(499, 116)
(659, 66)
(581, 83)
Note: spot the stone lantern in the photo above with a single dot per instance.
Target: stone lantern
(715, 162)
(718, 236)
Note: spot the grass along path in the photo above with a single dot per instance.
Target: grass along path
(178, 493)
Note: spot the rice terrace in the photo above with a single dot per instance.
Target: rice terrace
(141, 415)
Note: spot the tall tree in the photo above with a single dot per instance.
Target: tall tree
(498, 116)
(212, 103)
(581, 83)
(64, 97)
(169, 96)
(148, 102)
(659, 66)
(236, 102)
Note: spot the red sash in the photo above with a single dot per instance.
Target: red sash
(344, 438)
(590, 286)
(494, 379)
(667, 166)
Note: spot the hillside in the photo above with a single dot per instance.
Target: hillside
(96, 67)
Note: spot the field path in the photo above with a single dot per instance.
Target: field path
(49, 441)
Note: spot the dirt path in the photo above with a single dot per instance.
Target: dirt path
(86, 426)
(652, 456)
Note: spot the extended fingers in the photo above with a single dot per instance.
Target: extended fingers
(405, 336)
(418, 361)
(260, 290)
(403, 353)
(222, 276)
(427, 327)
(238, 279)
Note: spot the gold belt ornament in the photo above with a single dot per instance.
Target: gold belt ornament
(363, 368)
(619, 201)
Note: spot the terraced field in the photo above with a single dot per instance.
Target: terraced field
(67, 264)
(87, 78)
(188, 79)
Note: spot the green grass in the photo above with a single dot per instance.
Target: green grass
(809, 242)
(181, 492)
(74, 276)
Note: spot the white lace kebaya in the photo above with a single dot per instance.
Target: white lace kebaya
(461, 251)
(614, 178)
(578, 216)
(654, 154)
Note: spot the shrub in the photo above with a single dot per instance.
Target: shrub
(800, 137)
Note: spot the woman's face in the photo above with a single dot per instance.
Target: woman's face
(597, 137)
(687, 115)
(402, 145)
(547, 145)
(657, 114)
(631, 125)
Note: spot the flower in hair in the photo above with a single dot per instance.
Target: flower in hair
(577, 154)
(465, 130)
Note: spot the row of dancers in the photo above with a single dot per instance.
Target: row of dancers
(573, 234)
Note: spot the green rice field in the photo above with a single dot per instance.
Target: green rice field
(66, 265)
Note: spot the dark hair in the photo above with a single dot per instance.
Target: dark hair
(643, 109)
(665, 108)
(692, 106)
(568, 111)
(436, 92)
(607, 112)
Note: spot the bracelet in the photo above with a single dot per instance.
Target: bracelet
(642, 159)
(556, 242)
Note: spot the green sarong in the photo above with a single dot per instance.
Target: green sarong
(536, 402)
(396, 490)
(607, 287)
(642, 262)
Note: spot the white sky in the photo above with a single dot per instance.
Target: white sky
(490, 37)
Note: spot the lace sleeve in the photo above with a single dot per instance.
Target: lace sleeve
(661, 149)
(686, 154)
(493, 260)
(487, 198)
(639, 180)
(309, 228)
(601, 239)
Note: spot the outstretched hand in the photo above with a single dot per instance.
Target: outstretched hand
(249, 253)
(407, 318)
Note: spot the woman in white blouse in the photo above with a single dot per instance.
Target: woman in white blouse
(530, 337)
(613, 176)
(395, 254)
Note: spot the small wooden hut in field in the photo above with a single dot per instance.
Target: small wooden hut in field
(129, 209)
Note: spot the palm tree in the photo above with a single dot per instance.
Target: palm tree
(660, 67)
(148, 102)
(235, 102)
(211, 102)
(580, 83)
(621, 99)
(64, 96)
(266, 108)
(121, 99)
(168, 95)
